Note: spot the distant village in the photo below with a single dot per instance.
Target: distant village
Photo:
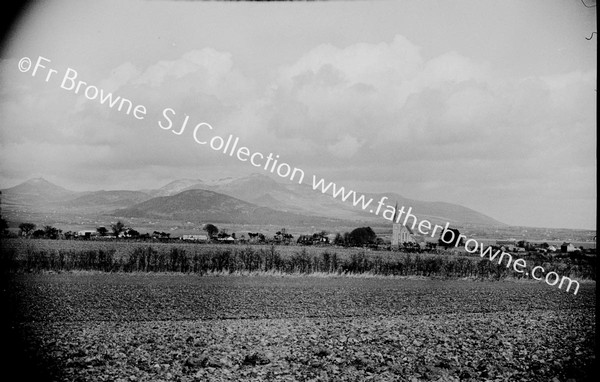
(402, 239)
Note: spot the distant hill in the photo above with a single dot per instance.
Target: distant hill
(209, 206)
(252, 199)
(267, 200)
(113, 199)
(439, 211)
(34, 192)
(177, 186)
(302, 199)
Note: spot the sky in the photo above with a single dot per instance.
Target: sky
(487, 104)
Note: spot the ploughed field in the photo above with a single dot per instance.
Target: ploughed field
(86, 326)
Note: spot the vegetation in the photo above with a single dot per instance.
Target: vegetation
(117, 228)
(362, 236)
(3, 226)
(211, 230)
(26, 228)
(202, 259)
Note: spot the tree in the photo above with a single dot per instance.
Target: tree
(51, 232)
(305, 239)
(211, 230)
(102, 231)
(117, 228)
(346, 238)
(339, 239)
(26, 229)
(282, 236)
(3, 226)
(38, 233)
(130, 232)
(362, 236)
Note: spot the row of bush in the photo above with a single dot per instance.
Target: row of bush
(248, 259)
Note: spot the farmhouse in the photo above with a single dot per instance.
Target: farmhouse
(87, 233)
(194, 238)
(567, 247)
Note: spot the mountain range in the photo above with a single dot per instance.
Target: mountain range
(254, 199)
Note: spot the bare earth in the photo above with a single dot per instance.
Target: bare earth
(173, 327)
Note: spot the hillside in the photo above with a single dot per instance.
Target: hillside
(35, 191)
(439, 211)
(209, 206)
(253, 199)
(113, 199)
(302, 199)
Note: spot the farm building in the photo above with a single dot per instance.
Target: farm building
(567, 248)
(87, 233)
(194, 237)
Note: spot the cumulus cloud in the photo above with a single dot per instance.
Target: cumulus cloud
(202, 84)
(388, 96)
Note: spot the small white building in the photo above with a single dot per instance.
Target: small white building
(202, 238)
(87, 233)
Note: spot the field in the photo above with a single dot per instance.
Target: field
(91, 325)
(149, 327)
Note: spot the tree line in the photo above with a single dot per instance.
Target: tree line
(358, 237)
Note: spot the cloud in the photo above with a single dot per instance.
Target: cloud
(345, 148)
(388, 96)
(443, 125)
(202, 84)
(384, 94)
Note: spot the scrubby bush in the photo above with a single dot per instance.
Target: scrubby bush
(207, 259)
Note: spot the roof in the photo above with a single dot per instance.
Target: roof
(197, 236)
(405, 226)
(87, 230)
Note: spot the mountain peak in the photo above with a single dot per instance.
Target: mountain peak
(38, 190)
(38, 181)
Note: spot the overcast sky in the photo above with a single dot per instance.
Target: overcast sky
(488, 104)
